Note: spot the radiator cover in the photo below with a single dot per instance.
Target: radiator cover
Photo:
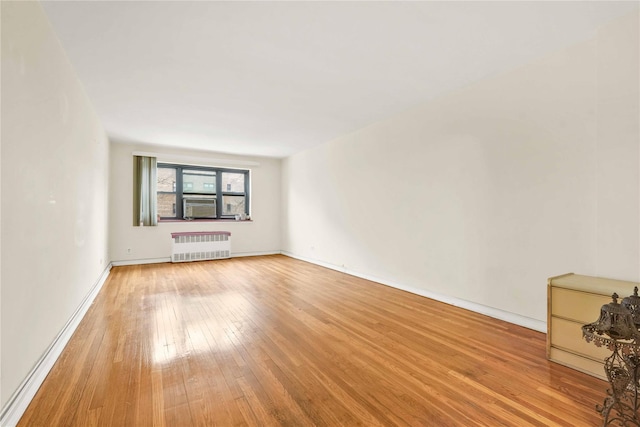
(200, 245)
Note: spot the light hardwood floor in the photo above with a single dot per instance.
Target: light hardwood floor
(275, 341)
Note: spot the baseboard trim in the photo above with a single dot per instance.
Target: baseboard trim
(245, 254)
(140, 261)
(19, 401)
(168, 259)
(496, 313)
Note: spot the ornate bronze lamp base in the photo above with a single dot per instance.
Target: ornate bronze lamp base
(617, 329)
(621, 404)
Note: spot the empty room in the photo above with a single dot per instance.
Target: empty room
(376, 213)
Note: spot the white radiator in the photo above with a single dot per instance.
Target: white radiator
(200, 245)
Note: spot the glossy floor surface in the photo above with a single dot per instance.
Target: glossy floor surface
(275, 341)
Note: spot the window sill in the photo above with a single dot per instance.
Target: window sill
(203, 220)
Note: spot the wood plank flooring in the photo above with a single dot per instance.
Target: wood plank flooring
(275, 341)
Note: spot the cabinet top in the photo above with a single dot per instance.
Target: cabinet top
(595, 285)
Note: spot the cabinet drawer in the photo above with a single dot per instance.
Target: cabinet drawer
(580, 363)
(575, 305)
(567, 335)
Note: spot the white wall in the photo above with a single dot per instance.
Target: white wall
(55, 158)
(261, 235)
(1, 394)
(618, 156)
(483, 194)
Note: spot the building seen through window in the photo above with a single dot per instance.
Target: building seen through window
(188, 192)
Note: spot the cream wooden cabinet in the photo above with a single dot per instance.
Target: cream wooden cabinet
(574, 300)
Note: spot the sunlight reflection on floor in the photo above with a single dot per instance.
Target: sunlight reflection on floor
(178, 333)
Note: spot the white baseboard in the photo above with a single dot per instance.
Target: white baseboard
(168, 259)
(140, 261)
(19, 401)
(243, 254)
(496, 313)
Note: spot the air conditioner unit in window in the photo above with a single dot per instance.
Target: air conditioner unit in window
(193, 207)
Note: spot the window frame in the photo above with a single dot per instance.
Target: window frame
(219, 194)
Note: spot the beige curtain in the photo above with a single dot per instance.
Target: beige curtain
(145, 207)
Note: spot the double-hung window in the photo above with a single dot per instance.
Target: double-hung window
(194, 192)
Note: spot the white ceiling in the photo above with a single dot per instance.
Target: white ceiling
(274, 78)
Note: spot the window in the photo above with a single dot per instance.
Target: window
(198, 192)
(166, 192)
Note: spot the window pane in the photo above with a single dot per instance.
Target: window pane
(194, 181)
(233, 182)
(167, 179)
(232, 205)
(167, 204)
(166, 192)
